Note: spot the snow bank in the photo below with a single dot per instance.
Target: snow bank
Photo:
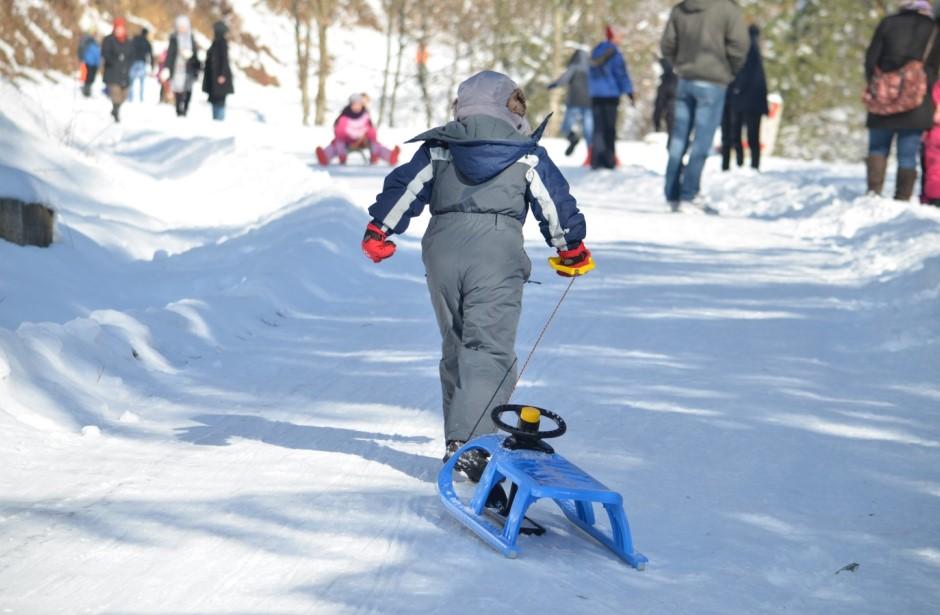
(205, 370)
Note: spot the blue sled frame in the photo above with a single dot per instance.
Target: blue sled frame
(537, 475)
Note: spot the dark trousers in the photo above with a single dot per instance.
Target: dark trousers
(90, 73)
(604, 154)
(732, 123)
(182, 102)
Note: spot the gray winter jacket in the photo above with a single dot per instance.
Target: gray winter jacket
(576, 78)
(706, 40)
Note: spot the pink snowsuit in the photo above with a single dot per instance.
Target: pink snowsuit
(931, 187)
(355, 130)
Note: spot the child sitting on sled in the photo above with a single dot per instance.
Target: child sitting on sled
(480, 174)
(353, 130)
(930, 192)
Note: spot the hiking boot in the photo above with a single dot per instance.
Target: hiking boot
(590, 155)
(905, 184)
(875, 166)
(674, 206)
(472, 463)
(573, 139)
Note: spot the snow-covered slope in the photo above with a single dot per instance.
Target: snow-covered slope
(210, 402)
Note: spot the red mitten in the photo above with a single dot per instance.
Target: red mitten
(375, 245)
(576, 258)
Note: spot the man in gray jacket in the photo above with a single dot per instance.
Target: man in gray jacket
(707, 42)
(480, 174)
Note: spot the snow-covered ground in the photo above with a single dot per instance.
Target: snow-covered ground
(211, 402)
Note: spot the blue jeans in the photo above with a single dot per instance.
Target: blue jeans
(879, 143)
(138, 74)
(699, 106)
(218, 111)
(582, 115)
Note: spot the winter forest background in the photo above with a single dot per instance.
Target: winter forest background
(813, 51)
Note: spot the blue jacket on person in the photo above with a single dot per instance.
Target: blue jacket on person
(91, 52)
(608, 77)
(482, 165)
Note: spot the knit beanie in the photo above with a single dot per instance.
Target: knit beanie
(921, 6)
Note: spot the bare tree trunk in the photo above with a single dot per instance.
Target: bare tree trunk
(557, 50)
(387, 6)
(423, 37)
(302, 42)
(402, 41)
(323, 71)
(452, 84)
(502, 36)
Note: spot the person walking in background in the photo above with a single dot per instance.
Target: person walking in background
(577, 100)
(930, 189)
(353, 130)
(117, 53)
(706, 41)
(217, 79)
(141, 65)
(608, 81)
(182, 63)
(745, 106)
(909, 35)
(163, 79)
(89, 53)
(664, 110)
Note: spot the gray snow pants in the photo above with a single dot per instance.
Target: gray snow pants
(476, 267)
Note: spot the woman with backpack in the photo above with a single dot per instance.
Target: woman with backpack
(901, 44)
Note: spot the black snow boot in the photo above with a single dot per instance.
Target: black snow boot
(876, 166)
(573, 139)
(905, 184)
(472, 463)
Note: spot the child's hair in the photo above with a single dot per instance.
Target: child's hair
(517, 103)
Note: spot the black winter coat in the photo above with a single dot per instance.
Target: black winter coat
(899, 39)
(663, 109)
(143, 50)
(117, 57)
(748, 92)
(217, 66)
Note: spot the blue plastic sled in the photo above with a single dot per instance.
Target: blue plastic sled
(537, 475)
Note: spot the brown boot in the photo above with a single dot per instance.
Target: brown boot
(876, 166)
(905, 184)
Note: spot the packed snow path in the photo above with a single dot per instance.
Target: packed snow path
(211, 402)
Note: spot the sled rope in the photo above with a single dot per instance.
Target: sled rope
(527, 359)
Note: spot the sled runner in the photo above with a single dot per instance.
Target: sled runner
(534, 471)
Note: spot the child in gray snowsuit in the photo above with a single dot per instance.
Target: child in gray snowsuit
(480, 174)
